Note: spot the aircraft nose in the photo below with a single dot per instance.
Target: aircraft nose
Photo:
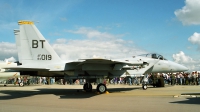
(181, 68)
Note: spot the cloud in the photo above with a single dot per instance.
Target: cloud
(195, 39)
(92, 33)
(182, 58)
(189, 14)
(11, 59)
(7, 50)
(61, 41)
(96, 44)
(79, 49)
(192, 64)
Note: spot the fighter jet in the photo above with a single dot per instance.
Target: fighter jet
(38, 58)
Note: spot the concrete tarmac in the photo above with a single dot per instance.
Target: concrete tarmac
(121, 98)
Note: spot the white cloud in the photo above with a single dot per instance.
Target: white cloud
(97, 44)
(79, 49)
(195, 39)
(91, 33)
(182, 58)
(11, 59)
(193, 65)
(7, 50)
(61, 41)
(189, 14)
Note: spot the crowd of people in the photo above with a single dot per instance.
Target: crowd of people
(179, 78)
(27, 80)
(182, 78)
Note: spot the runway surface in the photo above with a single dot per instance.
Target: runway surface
(121, 98)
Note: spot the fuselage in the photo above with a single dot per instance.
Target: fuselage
(161, 65)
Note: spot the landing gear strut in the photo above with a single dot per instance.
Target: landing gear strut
(145, 83)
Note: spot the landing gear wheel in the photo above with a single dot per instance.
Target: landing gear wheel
(101, 88)
(144, 87)
(87, 87)
(21, 84)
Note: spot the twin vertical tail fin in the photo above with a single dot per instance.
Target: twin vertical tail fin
(17, 39)
(32, 46)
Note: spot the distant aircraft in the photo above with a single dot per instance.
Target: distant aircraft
(39, 59)
(9, 74)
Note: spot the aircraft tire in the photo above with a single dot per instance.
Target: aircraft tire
(21, 84)
(87, 87)
(101, 88)
(144, 87)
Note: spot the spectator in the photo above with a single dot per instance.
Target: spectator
(172, 79)
(180, 78)
(196, 79)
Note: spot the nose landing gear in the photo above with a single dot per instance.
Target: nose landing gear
(144, 86)
(145, 83)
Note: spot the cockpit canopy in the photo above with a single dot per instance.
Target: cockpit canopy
(154, 56)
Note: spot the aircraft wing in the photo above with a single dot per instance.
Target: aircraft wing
(107, 61)
(18, 68)
(102, 64)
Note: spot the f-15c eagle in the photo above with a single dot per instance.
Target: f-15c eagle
(39, 58)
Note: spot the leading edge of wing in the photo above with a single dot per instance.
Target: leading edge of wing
(107, 61)
(26, 68)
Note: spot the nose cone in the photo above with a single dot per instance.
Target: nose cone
(182, 68)
(179, 68)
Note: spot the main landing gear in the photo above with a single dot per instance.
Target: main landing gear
(87, 87)
(101, 88)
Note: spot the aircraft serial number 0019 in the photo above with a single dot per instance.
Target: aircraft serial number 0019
(44, 57)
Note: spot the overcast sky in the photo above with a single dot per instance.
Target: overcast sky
(108, 28)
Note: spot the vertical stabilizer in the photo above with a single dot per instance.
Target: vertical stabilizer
(34, 47)
(17, 39)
